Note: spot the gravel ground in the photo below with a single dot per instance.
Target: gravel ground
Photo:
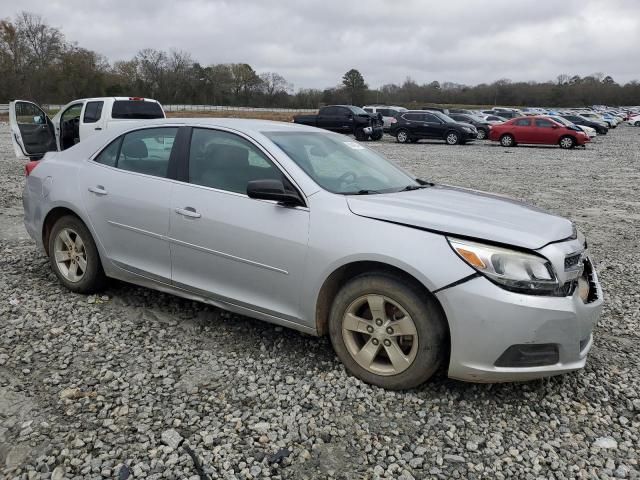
(136, 383)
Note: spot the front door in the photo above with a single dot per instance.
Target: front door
(228, 246)
(545, 131)
(32, 132)
(92, 118)
(126, 192)
(433, 126)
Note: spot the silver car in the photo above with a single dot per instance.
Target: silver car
(311, 230)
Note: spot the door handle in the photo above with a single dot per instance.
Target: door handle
(98, 190)
(188, 212)
(98, 128)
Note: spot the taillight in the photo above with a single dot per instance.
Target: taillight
(393, 120)
(136, 99)
(28, 168)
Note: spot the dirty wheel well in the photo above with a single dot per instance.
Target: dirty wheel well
(52, 217)
(342, 275)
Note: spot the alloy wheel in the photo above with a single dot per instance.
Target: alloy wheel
(452, 138)
(380, 335)
(70, 255)
(566, 142)
(481, 135)
(402, 136)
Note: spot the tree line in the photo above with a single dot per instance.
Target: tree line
(37, 62)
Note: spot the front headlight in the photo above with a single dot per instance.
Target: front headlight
(513, 270)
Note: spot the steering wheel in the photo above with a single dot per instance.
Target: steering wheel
(347, 177)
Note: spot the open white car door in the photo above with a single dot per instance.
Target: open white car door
(32, 131)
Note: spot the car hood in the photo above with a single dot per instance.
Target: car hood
(467, 213)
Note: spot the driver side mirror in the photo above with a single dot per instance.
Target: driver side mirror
(273, 190)
(554, 126)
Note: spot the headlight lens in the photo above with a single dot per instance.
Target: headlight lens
(514, 270)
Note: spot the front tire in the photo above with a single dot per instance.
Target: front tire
(376, 136)
(387, 332)
(482, 134)
(360, 135)
(402, 136)
(507, 140)
(637, 124)
(452, 138)
(567, 143)
(74, 256)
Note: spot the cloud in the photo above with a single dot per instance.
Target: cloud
(312, 43)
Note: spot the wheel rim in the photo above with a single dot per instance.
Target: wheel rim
(506, 141)
(402, 136)
(481, 134)
(70, 255)
(566, 143)
(380, 335)
(452, 138)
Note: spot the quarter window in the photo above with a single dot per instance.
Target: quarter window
(226, 161)
(109, 156)
(92, 112)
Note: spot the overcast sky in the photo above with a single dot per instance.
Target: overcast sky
(312, 43)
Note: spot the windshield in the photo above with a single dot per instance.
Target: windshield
(443, 117)
(341, 165)
(561, 120)
(357, 110)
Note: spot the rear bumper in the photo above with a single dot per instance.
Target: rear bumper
(486, 320)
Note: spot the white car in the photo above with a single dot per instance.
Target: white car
(74, 122)
(591, 132)
(635, 120)
(389, 114)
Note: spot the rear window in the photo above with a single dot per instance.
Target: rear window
(136, 109)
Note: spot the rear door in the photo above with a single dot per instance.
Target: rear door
(126, 191)
(32, 132)
(522, 130)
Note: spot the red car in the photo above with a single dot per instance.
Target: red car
(537, 130)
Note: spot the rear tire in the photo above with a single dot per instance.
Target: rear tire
(567, 143)
(402, 136)
(507, 140)
(403, 321)
(376, 136)
(74, 256)
(482, 134)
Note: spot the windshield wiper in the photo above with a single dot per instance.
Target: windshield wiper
(413, 187)
(363, 192)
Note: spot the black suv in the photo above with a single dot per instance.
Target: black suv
(578, 120)
(481, 124)
(418, 124)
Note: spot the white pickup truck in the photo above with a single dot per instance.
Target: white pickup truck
(33, 133)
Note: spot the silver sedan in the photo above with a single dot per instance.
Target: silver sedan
(312, 230)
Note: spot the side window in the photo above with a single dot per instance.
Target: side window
(543, 123)
(227, 161)
(523, 122)
(412, 117)
(431, 118)
(72, 112)
(370, 110)
(92, 112)
(147, 151)
(29, 114)
(329, 111)
(343, 112)
(109, 155)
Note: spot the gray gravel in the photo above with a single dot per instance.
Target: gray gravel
(136, 383)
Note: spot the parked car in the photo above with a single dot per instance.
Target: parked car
(389, 113)
(537, 130)
(483, 126)
(74, 122)
(634, 120)
(346, 119)
(415, 125)
(436, 109)
(460, 110)
(600, 127)
(493, 119)
(591, 132)
(596, 117)
(308, 229)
